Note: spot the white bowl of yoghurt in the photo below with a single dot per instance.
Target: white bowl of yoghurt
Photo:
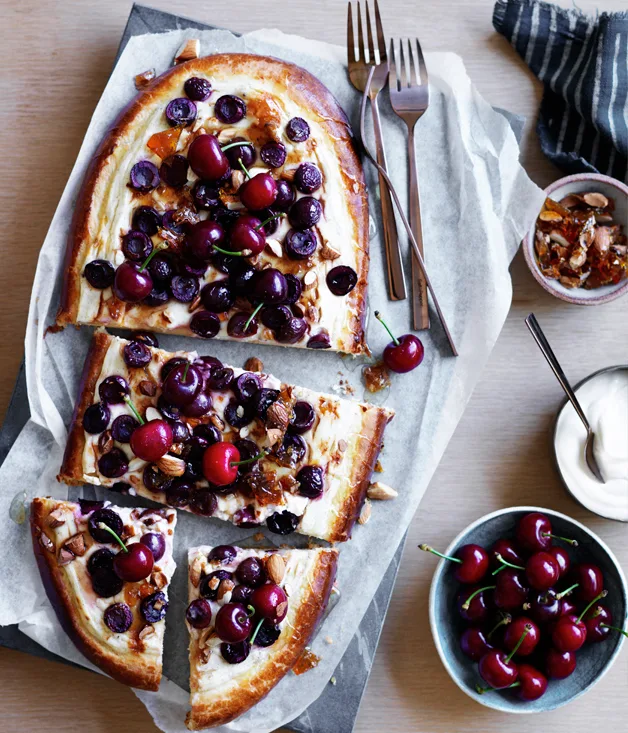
(604, 399)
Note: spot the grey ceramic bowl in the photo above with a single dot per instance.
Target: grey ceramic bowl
(593, 661)
(580, 183)
(581, 500)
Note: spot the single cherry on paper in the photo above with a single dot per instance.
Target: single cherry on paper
(472, 561)
(403, 354)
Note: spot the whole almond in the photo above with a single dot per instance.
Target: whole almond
(146, 632)
(171, 465)
(226, 586)
(76, 545)
(56, 518)
(381, 492)
(253, 364)
(365, 514)
(275, 568)
(195, 571)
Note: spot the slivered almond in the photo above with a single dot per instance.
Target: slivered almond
(217, 421)
(274, 245)
(105, 442)
(237, 179)
(365, 514)
(189, 50)
(381, 492)
(56, 518)
(152, 413)
(596, 200)
(310, 279)
(312, 313)
(327, 252)
(226, 586)
(195, 571)
(146, 632)
(159, 579)
(46, 542)
(76, 545)
(171, 465)
(194, 304)
(227, 134)
(276, 568)
(64, 557)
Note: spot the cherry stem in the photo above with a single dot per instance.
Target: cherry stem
(257, 628)
(597, 612)
(185, 371)
(261, 454)
(566, 592)
(573, 543)
(498, 570)
(267, 221)
(102, 525)
(228, 252)
(158, 248)
(505, 619)
(481, 690)
(250, 611)
(252, 316)
(603, 594)
(390, 333)
(129, 402)
(614, 628)
(526, 631)
(235, 145)
(427, 548)
(505, 563)
(246, 173)
(467, 603)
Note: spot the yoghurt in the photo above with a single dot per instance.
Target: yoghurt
(604, 399)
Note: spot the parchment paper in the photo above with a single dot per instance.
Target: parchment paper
(477, 203)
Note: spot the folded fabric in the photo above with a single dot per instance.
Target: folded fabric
(583, 64)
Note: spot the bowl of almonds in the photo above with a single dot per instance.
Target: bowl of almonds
(577, 249)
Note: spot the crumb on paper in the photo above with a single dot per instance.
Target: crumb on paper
(253, 364)
(144, 79)
(378, 467)
(376, 377)
(329, 640)
(333, 680)
(189, 50)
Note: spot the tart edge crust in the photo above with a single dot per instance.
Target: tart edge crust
(125, 668)
(310, 93)
(218, 708)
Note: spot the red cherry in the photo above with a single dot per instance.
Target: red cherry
(507, 550)
(531, 683)
(202, 238)
(131, 284)
(477, 601)
(404, 353)
(471, 560)
(474, 643)
(542, 570)
(513, 633)
(567, 607)
(233, 623)
(270, 602)
(534, 533)
(562, 558)
(244, 236)
(206, 158)
(217, 463)
(497, 670)
(152, 440)
(135, 564)
(511, 589)
(258, 192)
(569, 634)
(559, 665)
(590, 581)
(598, 620)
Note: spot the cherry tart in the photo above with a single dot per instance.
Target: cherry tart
(251, 614)
(106, 570)
(220, 441)
(226, 202)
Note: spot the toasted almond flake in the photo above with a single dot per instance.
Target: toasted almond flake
(550, 216)
(196, 570)
(46, 542)
(171, 465)
(226, 586)
(281, 608)
(312, 313)
(76, 545)
(194, 304)
(570, 201)
(56, 518)
(152, 414)
(596, 200)
(214, 583)
(327, 252)
(237, 179)
(556, 236)
(217, 421)
(365, 514)
(144, 79)
(274, 245)
(342, 445)
(146, 632)
(253, 364)
(309, 279)
(227, 134)
(177, 448)
(159, 579)
(105, 442)
(378, 467)
(189, 50)
(275, 568)
(244, 432)
(240, 411)
(381, 491)
(274, 435)
(65, 556)
(205, 637)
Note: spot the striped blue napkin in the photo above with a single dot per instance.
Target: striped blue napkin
(583, 64)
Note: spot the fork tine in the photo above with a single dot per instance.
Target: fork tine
(402, 67)
(369, 34)
(392, 79)
(350, 39)
(361, 46)
(413, 79)
(381, 39)
(422, 66)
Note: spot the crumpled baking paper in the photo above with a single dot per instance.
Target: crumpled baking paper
(477, 203)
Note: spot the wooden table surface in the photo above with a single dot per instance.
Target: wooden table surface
(56, 60)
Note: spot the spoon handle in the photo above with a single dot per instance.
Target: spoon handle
(546, 349)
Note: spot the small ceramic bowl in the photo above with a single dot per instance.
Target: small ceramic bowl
(580, 183)
(601, 509)
(593, 660)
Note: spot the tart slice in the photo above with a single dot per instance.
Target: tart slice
(111, 601)
(250, 616)
(231, 181)
(220, 441)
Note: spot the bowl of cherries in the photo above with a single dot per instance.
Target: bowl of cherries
(527, 609)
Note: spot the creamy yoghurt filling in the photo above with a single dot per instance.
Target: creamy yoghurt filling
(329, 444)
(604, 399)
(91, 606)
(327, 315)
(209, 667)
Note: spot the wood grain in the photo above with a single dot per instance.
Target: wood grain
(56, 60)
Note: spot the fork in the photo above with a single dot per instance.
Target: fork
(409, 97)
(360, 61)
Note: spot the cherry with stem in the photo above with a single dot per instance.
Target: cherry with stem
(467, 603)
(403, 354)
(135, 562)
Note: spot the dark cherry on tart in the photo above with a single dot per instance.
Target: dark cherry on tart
(195, 434)
(228, 186)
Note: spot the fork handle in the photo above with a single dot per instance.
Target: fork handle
(394, 264)
(420, 313)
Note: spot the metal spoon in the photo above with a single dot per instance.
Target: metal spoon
(546, 349)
